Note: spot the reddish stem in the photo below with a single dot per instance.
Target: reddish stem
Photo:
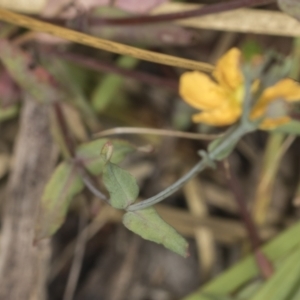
(64, 128)
(206, 10)
(263, 263)
(96, 65)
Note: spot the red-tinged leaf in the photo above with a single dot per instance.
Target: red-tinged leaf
(33, 79)
(9, 91)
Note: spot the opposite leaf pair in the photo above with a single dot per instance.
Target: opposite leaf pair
(123, 190)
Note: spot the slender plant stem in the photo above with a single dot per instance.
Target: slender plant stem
(239, 198)
(78, 257)
(206, 10)
(101, 66)
(226, 142)
(163, 132)
(200, 166)
(86, 178)
(263, 263)
(64, 128)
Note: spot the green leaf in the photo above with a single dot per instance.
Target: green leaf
(292, 127)
(150, 226)
(121, 185)
(246, 270)
(63, 185)
(89, 154)
(284, 281)
(249, 290)
(111, 84)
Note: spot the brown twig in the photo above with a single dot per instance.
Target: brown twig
(64, 128)
(209, 9)
(78, 257)
(101, 66)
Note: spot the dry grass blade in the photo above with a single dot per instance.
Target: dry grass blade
(87, 233)
(276, 148)
(77, 260)
(106, 45)
(165, 132)
(240, 20)
(204, 237)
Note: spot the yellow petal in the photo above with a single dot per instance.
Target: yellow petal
(228, 72)
(199, 91)
(285, 89)
(226, 114)
(269, 124)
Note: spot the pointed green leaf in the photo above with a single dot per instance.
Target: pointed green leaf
(284, 281)
(121, 185)
(246, 270)
(89, 153)
(64, 184)
(150, 226)
(109, 86)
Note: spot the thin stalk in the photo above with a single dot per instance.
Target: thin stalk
(263, 263)
(101, 66)
(163, 132)
(209, 9)
(64, 128)
(226, 141)
(200, 166)
(78, 258)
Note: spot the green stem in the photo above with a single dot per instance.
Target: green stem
(200, 166)
(233, 135)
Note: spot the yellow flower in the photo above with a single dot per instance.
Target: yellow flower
(221, 101)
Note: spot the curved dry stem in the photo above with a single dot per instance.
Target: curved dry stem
(163, 132)
(106, 45)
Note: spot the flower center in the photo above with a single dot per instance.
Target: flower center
(237, 96)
